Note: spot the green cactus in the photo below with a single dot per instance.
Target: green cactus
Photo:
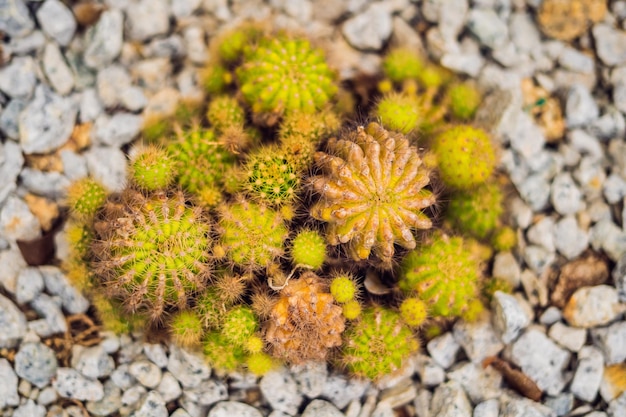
(186, 328)
(225, 112)
(79, 236)
(238, 325)
(378, 344)
(85, 197)
(443, 273)
(494, 284)
(504, 239)
(260, 363)
(252, 235)
(465, 156)
(271, 178)
(399, 112)
(343, 288)
(152, 251)
(476, 212)
(111, 315)
(152, 169)
(200, 161)
(283, 75)
(215, 79)
(351, 309)
(308, 249)
(402, 64)
(221, 353)
(464, 100)
(413, 311)
(372, 192)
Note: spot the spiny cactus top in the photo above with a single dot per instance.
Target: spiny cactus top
(152, 250)
(372, 192)
(283, 75)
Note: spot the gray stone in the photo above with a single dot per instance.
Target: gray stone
(611, 341)
(565, 196)
(111, 82)
(11, 263)
(593, 306)
(29, 285)
(92, 362)
(588, 376)
(590, 174)
(169, 388)
(550, 316)
(48, 184)
(383, 409)
(15, 18)
(570, 240)
(599, 211)
(110, 342)
(585, 144)
(180, 413)
(47, 396)
(281, 391)
(607, 236)
(508, 56)
(156, 353)
(131, 396)
(107, 165)
(122, 378)
(18, 78)
(618, 80)
(110, 402)
(340, 390)
(542, 234)
(30, 409)
(147, 373)
(614, 188)
(562, 404)
(233, 408)
(610, 44)
(9, 122)
(195, 44)
(74, 166)
(487, 26)
(487, 408)
(443, 349)
(478, 339)
(208, 393)
(619, 278)
(570, 338)
(574, 60)
(90, 106)
(509, 317)
(523, 407)
(104, 40)
(153, 74)
(449, 14)
(33, 42)
(580, 107)
(58, 284)
(8, 385)
(430, 373)
(172, 47)
(479, 383)
(117, 130)
(541, 360)
(84, 76)
(535, 190)
(310, 377)
(505, 266)
(538, 258)
(466, 63)
(47, 122)
(188, 367)
(17, 222)
(69, 383)
(36, 363)
(524, 32)
(152, 406)
(612, 123)
(57, 21)
(53, 319)
(370, 29)
(147, 18)
(184, 8)
(521, 214)
(617, 407)
(449, 400)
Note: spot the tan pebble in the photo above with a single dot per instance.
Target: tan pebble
(45, 210)
(588, 271)
(562, 19)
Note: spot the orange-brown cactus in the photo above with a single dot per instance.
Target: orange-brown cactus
(305, 322)
(372, 192)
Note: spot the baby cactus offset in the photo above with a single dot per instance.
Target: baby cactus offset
(372, 192)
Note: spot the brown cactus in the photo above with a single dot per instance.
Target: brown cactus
(304, 323)
(372, 192)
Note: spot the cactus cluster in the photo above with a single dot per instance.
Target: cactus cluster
(248, 229)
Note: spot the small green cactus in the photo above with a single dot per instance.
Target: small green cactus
(443, 273)
(216, 78)
(464, 100)
(252, 235)
(476, 212)
(378, 344)
(413, 311)
(239, 325)
(398, 112)
(186, 328)
(85, 197)
(79, 236)
(260, 363)
(283, 75)
(465, 156)
(372, 192)
(308, 249)
(271, 178)
(152, 169)
(494, 284)
(225, 112)
(351, 309)
(504, 239)
(152, 251)
(402, 64)
(343, 288)
(221, 353)
(111, 315)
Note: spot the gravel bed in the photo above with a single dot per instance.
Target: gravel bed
(77, 84)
